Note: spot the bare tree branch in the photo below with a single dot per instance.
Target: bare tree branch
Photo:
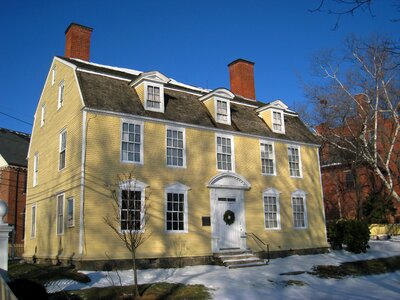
(358, 107)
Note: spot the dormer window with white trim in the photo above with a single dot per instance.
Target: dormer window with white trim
(219, 105)
(278, 124)
(150, 89)
(273, 115)
(223, 111)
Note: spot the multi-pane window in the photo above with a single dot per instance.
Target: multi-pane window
(132, 215)
(267, 158)
(175, 147)
(35, 169)
(153, 97)
(70, 212)
(349, 180)
(60, 214)
(294, 161)
(43, 115)
(33, 221)
(132, 147)
(271, 210)
(222, 111)
(299, 211)
(224, 153)
(175, 212)
(60, 95)
(62, 149)
(53, 76)
(277, 121)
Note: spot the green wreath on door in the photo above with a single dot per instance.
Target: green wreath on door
(229, 217)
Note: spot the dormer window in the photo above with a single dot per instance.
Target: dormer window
(218, 104)
(153, 99)
(223, 112)
(273, 115)
(150, 89)
(277, 122)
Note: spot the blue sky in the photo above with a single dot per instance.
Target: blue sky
(189, 41)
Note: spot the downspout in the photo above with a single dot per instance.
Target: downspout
(14, 238)
(82, 193)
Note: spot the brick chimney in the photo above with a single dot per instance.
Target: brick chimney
(77, 41)
(241, 74)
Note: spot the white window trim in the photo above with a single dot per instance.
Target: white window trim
(275, 193)
(300, 164)
(63, 216)
(73, 212)
(35, 169)
(53, 76)
(282, 121)
(59, 150)
(228, 108)
(161, 87)
(59, 102)
(184, 146)
(177, 188)
(43, 115)
(141, 123)
(300, 194)
(136, 186)
(33, 232)
(217, 135)
(273, 157)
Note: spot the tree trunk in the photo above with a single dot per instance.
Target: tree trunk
(135, 285)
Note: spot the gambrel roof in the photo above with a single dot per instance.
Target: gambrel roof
(108, 89)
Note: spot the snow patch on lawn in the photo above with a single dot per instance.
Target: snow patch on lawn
(266, 281)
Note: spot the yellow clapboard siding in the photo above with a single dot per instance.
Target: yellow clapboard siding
(52, 181)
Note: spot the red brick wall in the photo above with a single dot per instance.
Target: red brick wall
(8, 186)
(342, 201)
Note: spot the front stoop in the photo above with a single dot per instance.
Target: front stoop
(240, 259)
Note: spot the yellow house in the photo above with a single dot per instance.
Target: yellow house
(216, 170)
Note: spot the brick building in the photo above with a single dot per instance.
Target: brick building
(13, 169)
(348, 183)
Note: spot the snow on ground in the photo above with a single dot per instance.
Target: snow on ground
(266, 282)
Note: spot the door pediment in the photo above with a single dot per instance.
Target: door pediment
(230, 181)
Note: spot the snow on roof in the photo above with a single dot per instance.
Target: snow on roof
(125, 70)
(137, 73)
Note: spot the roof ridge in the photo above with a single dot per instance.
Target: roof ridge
(15, 132)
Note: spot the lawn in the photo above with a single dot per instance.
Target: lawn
(335, 275)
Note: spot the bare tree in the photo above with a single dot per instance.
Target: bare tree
(341, 8)
(356, 103)
(129, 217)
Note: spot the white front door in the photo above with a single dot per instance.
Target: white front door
(227, 193)
(229, 233)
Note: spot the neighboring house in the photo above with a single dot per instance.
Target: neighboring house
(13, 169)
(194, 154)
(347, 183)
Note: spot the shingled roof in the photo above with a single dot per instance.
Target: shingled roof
(14, 147)
(103, 91)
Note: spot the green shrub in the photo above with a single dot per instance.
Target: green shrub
(335, 231)
(356, 236)
(353, 233)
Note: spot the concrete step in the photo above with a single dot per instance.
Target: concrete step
(249, 265)
(240, 259)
